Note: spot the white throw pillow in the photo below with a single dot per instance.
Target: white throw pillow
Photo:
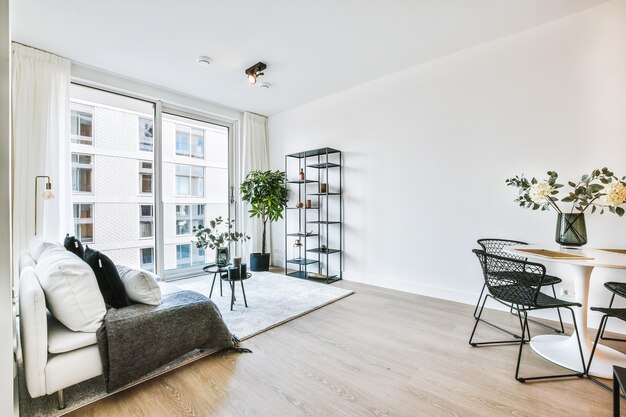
(39, 245)
(141, 285)
(71, 290)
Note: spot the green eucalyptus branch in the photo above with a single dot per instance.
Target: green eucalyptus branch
(212, 238)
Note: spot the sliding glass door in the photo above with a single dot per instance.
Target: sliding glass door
(115, 174)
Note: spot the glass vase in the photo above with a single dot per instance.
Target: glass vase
(221, 257)
(571, 230)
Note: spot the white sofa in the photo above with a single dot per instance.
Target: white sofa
(55, 357)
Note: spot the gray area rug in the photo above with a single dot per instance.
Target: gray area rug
(273, 299)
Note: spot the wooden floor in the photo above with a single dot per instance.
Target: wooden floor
(376, 353)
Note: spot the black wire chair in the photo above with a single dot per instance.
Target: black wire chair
(619, 313)
(617, 288)
(517, 284)
(496, 247)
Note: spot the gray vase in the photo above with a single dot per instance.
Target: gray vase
(571, 230)
(221, 257)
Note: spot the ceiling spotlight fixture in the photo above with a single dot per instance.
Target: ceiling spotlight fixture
(255, 72)
(204, 61)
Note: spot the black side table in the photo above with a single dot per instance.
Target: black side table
(226, 274)
(214, 269)
(234, 275)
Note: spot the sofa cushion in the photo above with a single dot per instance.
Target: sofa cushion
(141, 286)
(73, 245)
(71, 290)
(109, 281)
(38, 246)
(61, 339)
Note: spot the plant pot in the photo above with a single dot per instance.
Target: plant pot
(571, 230)
(259, 262)
(221, 257)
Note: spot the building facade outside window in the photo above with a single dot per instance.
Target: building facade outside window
(145, 177)
(83, 222)
(189, 216)
(146, 221)
(183, 255)
(82, 170)
(189, 180)
(81, 121)
(146, 259)
(114, 180)
(146, 137)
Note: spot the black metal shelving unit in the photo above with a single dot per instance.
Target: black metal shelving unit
(325, 222)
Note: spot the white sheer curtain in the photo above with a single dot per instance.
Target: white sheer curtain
(254, 156)
(40, 113)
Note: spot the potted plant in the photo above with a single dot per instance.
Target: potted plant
(266, 193)
(600, 190)
(211, 237)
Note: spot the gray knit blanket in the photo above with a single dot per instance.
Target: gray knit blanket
(138, 339)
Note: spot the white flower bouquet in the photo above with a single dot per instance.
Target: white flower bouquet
(599, 190)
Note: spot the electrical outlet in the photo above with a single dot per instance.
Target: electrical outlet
(567, 292)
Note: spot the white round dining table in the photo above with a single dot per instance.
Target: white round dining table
(563, 350)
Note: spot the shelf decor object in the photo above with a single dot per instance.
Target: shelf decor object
(315, 232)
(601, 190)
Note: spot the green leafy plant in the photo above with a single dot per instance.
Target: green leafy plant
(267, 195)
(213, 238)
(599, 190)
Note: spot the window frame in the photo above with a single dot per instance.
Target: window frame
(145, 171)
(142, 137)
(141, 264)
(77, 139)
(190, 178)
(146, 219)
(230, 120)
(82, 220)
(79, 165)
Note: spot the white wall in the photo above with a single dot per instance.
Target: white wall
(427, 149)
(7, 405)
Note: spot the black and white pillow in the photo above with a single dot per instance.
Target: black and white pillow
(109, 282)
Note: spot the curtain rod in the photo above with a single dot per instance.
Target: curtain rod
(39, 49)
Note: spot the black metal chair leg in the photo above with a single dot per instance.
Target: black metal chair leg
(480, 297)
(221, 293)
(616, 391)
(580, 349)
(486, 322)
(558, 311)
(602, 334)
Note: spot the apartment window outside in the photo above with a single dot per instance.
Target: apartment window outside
(189, 216)
(81, 120)
(183, 141)
(189, 142)
(145, 177)
(146, 136)
(83, 222)
(197, 256)
(146, 259)
(183, 255)
(189, 180)
(146, 221)
(82, 169)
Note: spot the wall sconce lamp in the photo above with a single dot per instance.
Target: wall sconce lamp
(46, 195)
(255, 72)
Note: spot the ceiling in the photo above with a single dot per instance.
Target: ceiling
(311, 48)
